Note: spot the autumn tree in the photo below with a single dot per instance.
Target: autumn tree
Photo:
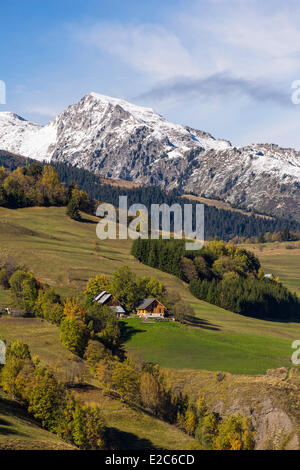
(88, 427)
(124, 287)
(24, 289)
(82, 200)
(150, 392)
(150, 287)
(182, 311)
(207, 430)
(73, 310)
(74, 335)
(94, 353)
(96, 285)
(234, 433)
(190, 422)
(48, 306)
(125, 381)
(46, 398)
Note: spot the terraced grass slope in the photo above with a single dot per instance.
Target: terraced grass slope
(62, 252)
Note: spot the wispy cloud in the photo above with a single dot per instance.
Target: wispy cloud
(238, 55)
(209, 49)
(148, 49)
(216, 85)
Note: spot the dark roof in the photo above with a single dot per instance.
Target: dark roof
(147, 302)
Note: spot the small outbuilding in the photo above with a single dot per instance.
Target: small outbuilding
(16, 313)
(105, 298)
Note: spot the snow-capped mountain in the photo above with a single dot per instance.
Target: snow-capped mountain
(121, 140)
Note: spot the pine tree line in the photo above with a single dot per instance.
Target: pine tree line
(222, 274)
(218, 222)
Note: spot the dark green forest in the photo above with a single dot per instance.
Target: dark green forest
(218, 222)
(222, 274)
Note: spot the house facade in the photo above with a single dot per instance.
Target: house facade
(151, 308)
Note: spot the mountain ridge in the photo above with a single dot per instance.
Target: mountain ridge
(118, 139)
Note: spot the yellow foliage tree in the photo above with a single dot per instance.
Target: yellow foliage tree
(96, 285)
(73, 310)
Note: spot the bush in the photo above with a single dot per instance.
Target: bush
(94, 353)
(234, 433)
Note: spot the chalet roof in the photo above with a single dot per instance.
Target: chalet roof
(147, 302)
(103, 297)
(100, 295)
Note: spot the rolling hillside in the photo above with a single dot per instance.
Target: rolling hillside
(18, 431)
(281, 259)
(62, 252)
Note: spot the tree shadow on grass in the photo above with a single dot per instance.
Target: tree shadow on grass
(11, 408)
(6, 409)
(6, 431)
(200, 323)
(4, 422)
(122, 440)
(127, 331)
(84, 220)
(5, 428)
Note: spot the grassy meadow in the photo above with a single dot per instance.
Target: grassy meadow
(281, 259)
(182, 347)
(65, 254)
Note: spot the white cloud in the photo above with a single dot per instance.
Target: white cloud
(250, 39)
(242, 39)
(149, 49)
(209, 55)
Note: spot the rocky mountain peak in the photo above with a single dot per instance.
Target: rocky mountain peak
(119, 139)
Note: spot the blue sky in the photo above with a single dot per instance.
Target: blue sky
(224, 66)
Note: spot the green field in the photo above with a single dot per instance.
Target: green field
(181, 347)
(61, 252)
(281, 259)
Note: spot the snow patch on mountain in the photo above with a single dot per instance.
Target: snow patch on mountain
(26, 138)
(119, 139)
(92, 119)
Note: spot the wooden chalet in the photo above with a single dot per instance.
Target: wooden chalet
(151, 308)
